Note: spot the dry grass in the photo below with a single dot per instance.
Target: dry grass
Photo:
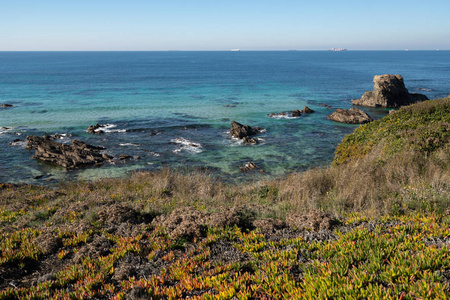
(372, 184)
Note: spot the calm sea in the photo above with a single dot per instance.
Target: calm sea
(173, 109)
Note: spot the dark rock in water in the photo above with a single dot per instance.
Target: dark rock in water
(352, 116)
(107, 156)
(240, 131)
(16, 142)
(5, 128)
(388, 91)
(95, 129)
(6, 105)
(296, 113)
(307, 110)
(250, 166)
(324, 105)
(416, 97)
(250, 140)
(74, 156)
(124, 156)
(155, 132)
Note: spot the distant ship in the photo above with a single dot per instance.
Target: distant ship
(235, 50)
(337, 49)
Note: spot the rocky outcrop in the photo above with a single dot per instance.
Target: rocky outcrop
(296, 113)
(244, 132)
(388, 91)
(250, 140)
(352, 116)
(95, 129)
(307, 110)
(249, 167)
(6, 105)
(74, 156)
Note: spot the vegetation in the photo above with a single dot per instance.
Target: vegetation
(373, 225)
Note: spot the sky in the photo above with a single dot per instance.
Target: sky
(149, 25)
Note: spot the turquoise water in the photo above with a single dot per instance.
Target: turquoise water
(159, 102)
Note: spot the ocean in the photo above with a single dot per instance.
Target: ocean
(173, 109)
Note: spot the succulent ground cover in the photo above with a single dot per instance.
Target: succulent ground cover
(374, 225)
(64, 252)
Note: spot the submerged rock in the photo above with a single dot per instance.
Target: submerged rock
(124, 156)
(74, 156)
(250, 140)
(324, 105)
(388, 91)
(240, 131)
(352, 116)
(251, 166)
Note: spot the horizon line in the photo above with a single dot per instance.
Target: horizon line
(226, 50)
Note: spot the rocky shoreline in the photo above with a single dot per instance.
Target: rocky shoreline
(389, 92)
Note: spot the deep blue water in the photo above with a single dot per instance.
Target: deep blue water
(159, 102)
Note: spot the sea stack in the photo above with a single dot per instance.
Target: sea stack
(388, 91)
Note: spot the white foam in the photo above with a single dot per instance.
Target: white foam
(18, 143)
(62, 136)
(187, 145)
(283, 116)
(128, 144)
(5, 129)
(108, 128)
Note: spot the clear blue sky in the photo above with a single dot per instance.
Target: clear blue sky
(223, 25)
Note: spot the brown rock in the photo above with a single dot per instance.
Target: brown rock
(6, 105)
(250, 140)
(307, 110)
(388, 91)
(240, 131)
(77, 155)
(95, 129)
(352, 116)
(296, 113)
(249, 167)
(124, 156)
(325, 105)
